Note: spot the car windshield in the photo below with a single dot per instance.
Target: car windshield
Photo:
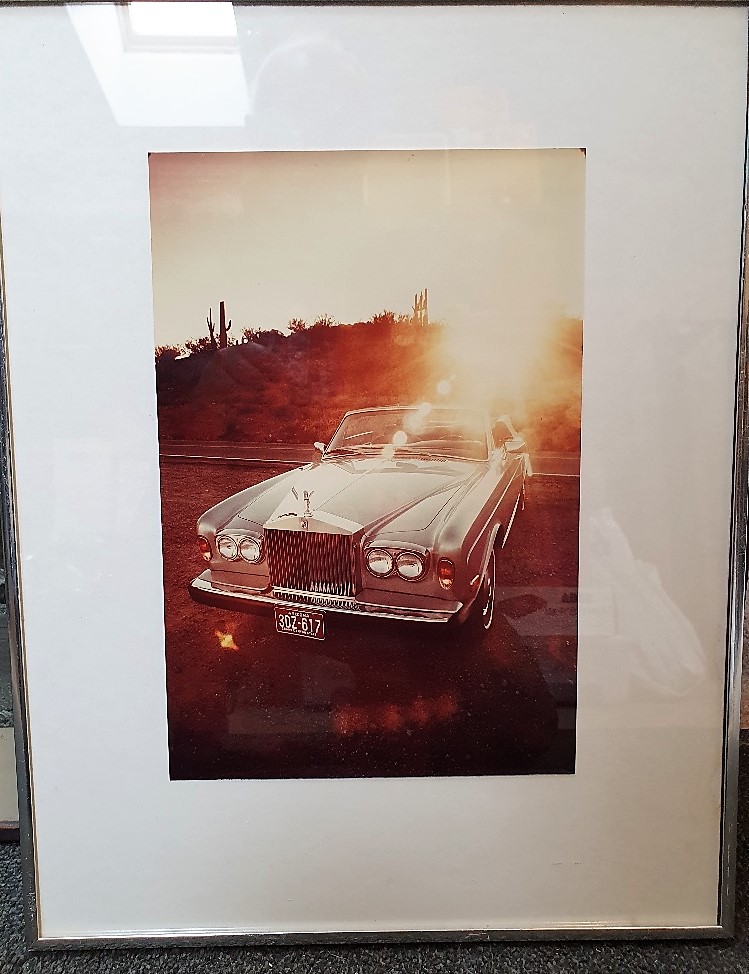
(421, 431)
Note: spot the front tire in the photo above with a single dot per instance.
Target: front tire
(487, 594)
(482, 614)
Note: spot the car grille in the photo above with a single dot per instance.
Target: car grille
(310, 562)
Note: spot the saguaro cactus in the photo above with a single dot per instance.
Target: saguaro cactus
(420, 310)
(223, 327)
(211, 328)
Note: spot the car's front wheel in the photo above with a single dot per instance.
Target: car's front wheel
(487, 593)
(481, 617)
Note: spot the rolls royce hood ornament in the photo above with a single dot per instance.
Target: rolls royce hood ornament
(307, 512)
(307, 499)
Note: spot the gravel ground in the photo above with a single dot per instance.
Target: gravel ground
(373, 702)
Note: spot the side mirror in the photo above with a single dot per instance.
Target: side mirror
(505, 434)
(319, 446)
(515, 445)
(500, 434)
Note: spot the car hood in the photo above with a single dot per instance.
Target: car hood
(406, 494)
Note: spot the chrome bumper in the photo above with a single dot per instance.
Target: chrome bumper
(236, 599)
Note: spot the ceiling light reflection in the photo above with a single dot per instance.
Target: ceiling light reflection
(177, 18)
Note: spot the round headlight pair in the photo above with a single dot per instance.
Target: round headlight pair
(249, 549)
(408, 564)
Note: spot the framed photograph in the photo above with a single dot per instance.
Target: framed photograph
(381, 553)
(374, 468)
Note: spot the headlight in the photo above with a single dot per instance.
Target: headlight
(250, 550)
(379, 561)
(227, 547)
(410, 565)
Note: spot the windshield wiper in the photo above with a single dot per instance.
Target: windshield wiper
(352, 450)
(430, 454)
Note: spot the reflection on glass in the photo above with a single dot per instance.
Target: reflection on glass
(181, 19)
(165, 64)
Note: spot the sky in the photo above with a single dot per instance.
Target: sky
(495, 235)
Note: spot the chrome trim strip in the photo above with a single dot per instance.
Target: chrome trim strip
(229, 587)
(512, 518)
(344, 600)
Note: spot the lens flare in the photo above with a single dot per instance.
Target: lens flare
(226, 640)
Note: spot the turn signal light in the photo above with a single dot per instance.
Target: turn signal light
(205, 549)
(445, 572)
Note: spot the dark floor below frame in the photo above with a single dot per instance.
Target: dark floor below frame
(678, 957)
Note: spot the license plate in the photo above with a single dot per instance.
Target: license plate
(300, 622)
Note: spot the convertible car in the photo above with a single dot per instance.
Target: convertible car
(402, 517)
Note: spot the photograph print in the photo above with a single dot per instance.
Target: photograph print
(369, 387)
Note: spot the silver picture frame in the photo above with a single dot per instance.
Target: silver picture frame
(735, 616)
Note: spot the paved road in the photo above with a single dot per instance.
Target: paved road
(544, 464)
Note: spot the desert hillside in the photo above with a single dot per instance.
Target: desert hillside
(274, 387)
